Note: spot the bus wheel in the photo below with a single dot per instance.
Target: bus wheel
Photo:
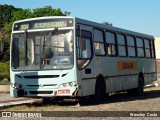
(100, 89)
(140, 88)
(47, 100)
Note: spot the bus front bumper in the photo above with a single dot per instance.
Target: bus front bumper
(70, 91)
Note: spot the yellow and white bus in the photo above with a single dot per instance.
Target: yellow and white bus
(68, 56)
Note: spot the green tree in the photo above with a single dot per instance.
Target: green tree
(5, 14)
(4, 37)
(49, 11)
(5, 18)
(18, 15)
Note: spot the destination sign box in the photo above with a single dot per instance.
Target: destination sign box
(50, 24)
(43, 24)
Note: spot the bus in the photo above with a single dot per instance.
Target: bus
(72, 57)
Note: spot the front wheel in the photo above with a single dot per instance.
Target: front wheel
(100, 90)
(47, 100)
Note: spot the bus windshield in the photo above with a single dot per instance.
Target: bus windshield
(42, 50)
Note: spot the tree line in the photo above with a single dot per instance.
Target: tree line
(10, 14)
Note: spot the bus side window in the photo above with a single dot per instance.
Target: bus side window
(121, 45)
(131, 46)
(147, 48)
(84, 48)
(110, 44)
(140, 47)
(99, 42)
(152, 49)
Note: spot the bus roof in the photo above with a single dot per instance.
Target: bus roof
(93, 24)
(112, 28)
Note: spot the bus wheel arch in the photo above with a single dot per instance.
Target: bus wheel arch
(100, 88)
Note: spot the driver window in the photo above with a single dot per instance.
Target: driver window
(84, 51)
(83, 44)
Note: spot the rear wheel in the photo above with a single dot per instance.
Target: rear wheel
(139, 90)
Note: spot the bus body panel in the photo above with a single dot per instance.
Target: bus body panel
(117, 80)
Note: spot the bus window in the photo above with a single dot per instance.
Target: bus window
(121, 45)
(140, 48)
(84, 51)
(131, 46)
(30, 51)
(147, 48)
(152, 49)
(24, 51)
(111, 44)
(37, 49)
(84, 48)
(99, 42)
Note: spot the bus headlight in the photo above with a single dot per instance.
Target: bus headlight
(15, 85)
(64, 84)
(71, 84)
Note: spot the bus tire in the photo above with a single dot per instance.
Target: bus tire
(100, 89)
(47, 100)
(139, 90)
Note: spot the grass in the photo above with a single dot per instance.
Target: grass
(5, 81)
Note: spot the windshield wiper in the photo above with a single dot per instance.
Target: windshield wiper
(50, 36)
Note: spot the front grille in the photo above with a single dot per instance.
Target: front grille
(40, 76)
(40, 92)
(42, 85)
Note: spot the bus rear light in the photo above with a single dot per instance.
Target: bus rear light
(65, 91)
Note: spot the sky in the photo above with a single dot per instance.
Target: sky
(137, 15)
